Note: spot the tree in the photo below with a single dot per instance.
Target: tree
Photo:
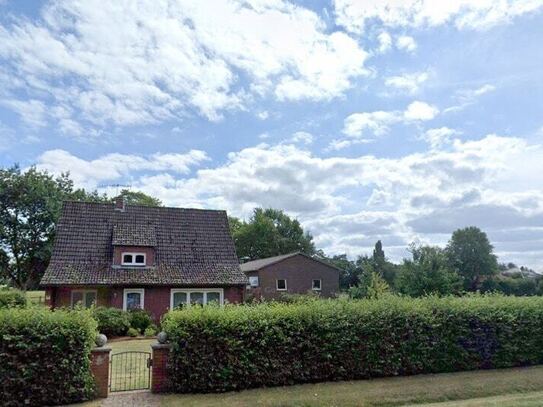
(428, 272)
(138, 198)
(30, 204)
(270, 232)
(371, 286)
(349, 275)
(470, 254)
(381, 265)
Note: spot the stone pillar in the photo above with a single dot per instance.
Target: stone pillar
(100, 370)
(159, 372)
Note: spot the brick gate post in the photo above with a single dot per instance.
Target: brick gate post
(159, 372)
(100, 370)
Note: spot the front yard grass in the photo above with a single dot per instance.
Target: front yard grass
(36, 297)
(484, 388)
(129, 371)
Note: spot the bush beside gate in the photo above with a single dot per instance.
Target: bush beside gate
(45, 356)
(219, 349)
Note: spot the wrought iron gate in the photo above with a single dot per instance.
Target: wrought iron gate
(130, 371)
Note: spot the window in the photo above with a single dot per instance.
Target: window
(281, 285)
(133, 259)
(316, 285)
(84, 298)
(133, 298)
(182, 298)
(253, 281)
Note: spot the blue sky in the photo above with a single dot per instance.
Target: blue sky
(393, 120)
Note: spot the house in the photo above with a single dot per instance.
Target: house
(155, 258)
(294, 273)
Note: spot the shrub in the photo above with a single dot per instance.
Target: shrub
(140, 319)
(151, 330)
(111, 321)
(45, 356)
(274, 344)
(133, 332)
(10, 298)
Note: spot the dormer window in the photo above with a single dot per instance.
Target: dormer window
(133, 259)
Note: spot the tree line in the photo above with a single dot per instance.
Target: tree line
(31, 200)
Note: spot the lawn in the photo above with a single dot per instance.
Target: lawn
(484, 388)
(36, 297)
(128, 370)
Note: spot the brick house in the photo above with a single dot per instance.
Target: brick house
(155, 258)
(294, 273)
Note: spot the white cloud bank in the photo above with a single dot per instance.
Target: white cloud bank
(142, 62)
(349, 203)
(464, 14)
(369, 124)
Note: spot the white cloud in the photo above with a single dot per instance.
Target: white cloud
(406, 43)
(114, 166)
(464, 14)
(385, 42)
(468, 97)
(439, 137)
(349, 203)
(378, 123)
(263, 115)
(112, 64)
(302, 137)
(408, 82)
(420, 111)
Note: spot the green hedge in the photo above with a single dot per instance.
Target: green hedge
(111, 321)
(240, 347)
(10, 298)
(45, 356)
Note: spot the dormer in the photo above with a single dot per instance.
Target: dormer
(133, 245)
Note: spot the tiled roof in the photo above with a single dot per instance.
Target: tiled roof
(130, 234)
(192, 246)
(261, 263)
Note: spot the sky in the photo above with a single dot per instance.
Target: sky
(398, 120)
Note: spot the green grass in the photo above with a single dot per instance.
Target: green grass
(516, 400)
(129, 371)
(521, 387)
(36, 297)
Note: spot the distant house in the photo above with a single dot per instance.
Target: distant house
(294, 273)
(154, 258)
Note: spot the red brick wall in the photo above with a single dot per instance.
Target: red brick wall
(100, 370)
(156, 299)
(149, 253)
(299, 271)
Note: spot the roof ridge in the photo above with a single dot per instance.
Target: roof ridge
(73, 201)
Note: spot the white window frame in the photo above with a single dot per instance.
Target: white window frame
(134, 254)
(195, 290)
(253, 279)
(127, 291)
(277, 284)
(82, 291)
(313, 284)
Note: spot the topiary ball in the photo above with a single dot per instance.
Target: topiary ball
(100, 340)
(162, 337)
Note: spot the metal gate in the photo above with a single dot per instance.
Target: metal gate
(130, 371)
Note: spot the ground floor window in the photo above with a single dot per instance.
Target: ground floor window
(181, 297)
(281, 284)
(85, 298)
(316, 285)
(133, 298)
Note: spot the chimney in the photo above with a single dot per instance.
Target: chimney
(120, 203)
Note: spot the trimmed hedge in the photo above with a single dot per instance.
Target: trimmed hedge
(45, 356)
(10, 298)
(111, 321)
(236, 347)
